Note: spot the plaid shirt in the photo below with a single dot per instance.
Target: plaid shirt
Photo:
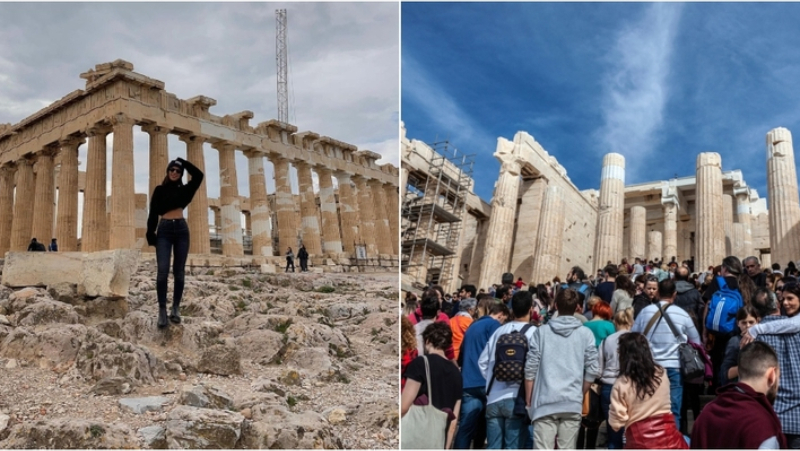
(787, 405)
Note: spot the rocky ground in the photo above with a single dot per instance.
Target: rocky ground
(260, 361)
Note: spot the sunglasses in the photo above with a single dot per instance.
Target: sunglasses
(175, 170)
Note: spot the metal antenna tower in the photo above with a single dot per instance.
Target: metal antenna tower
(281, 58)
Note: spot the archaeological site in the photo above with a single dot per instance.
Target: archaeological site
(538, 224)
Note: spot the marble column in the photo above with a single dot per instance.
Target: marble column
(744, 217)
(217, 221)
(383, 236)
(670, 248)
(393, 211)
(309, 216)
(23, 200)
(331, 234)
(638, 234)
(199, 239)
(159, 154)
(527, 236)
(259, 206)
(348, 209)
(403, 182)
(7, 172)
(655, 246)
(140, 220)
(738, 247)
(67, 213)
(229, 200)
(766, 260)
(45, 196)
(122, 234)
(710, 232)
(501, 223)
(94, 228)
(284, 206)
(550, 242)
(610, 213)
(727, 222)
(784, 204)
(366, 226)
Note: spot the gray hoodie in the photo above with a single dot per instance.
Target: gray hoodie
(561, 355)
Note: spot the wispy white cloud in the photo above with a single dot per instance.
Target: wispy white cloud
(637, 85)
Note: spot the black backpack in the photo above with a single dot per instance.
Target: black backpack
(509, 357)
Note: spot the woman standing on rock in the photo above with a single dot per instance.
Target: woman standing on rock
(168, 201)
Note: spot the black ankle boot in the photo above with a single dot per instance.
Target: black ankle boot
(175, 314)
(162, 317)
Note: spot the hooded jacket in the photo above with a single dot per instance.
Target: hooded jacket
(745, 415)
(561, 356)
(689, 299)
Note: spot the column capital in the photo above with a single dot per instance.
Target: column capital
(155, 129)
(121, 119)
(223, 145)
(252, 152)
(99, 129)
(71, 141)
(342, 175)
(189, 138)
(323, 169)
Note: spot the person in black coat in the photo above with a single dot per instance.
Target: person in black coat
(302, 255)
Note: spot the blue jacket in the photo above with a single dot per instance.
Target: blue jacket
(475, 339)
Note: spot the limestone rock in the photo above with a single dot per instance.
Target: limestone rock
(63, 292)
(112, 386)
(337, 416)
(206, 397)
(4, 419)
(108, 273)
(155, 437)
(70, 434)
(101, 356)
(221, 359)
(47, 312)
(275, 427)
(145, 404)
(48, 347)
(29, 269)
(192, 427)
(11, 364)
(260, 345)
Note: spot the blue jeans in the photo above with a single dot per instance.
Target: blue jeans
(675, 393)
(502, 426)
(171, 234)
(614, 437)
(473, 406)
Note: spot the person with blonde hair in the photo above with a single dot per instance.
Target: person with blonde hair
(608, 360)
(408, 347)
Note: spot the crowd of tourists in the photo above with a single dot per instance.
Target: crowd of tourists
(523, 366)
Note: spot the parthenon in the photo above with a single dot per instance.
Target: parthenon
(539, 224)
(355, 217)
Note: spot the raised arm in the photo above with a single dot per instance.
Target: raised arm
(781, 326)
(195, 172)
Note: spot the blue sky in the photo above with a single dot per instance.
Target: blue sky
(656, 82)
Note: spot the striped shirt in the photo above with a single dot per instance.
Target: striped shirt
(662, 341)
(787, 404)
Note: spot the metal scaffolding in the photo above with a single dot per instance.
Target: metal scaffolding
(432, 212)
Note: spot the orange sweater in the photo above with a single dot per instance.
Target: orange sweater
(458, 324)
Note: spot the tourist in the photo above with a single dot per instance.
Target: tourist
(601, 327)
(625, 267)
(560, 367)
(576, 279)
(623, 295)
(408, 347)
(462, 320)
(289, 260)
(504, 428)
(608, 362)
(746, 318)
(605, 289)
(447, 305)
(472, 421)
(466, 291)
(753, 267)
(302, 255)
(441, 316)
(638, 268)
(53, 245)
(648, 295)
(742, 415)
(519, 283)
(776, 269)
(640, 398)
(663, 341)
(688, 297)
(429, 307)
(411, 304)
(445, 378)
(170, 235)
(35, 246)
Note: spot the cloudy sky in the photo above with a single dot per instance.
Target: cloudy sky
(656, 82)
(343, 65)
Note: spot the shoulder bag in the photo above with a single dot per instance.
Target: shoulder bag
(424, 427)
(692, 364)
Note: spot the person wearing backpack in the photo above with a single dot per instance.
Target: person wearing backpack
(502, 364)
(719, 318)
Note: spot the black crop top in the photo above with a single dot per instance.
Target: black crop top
(171, 196)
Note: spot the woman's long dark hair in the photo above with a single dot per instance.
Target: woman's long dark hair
(167, 181)
(623, 282)
(637, 364)
(543, 295)
(746, 286)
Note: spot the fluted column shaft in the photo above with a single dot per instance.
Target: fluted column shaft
(550, 242)
(744, 217)
(382, 234)
(309, 217)
(7, 172)
(403, 182)
(331, 234)
(159, 154)
(366, 226)
(393, 211)
(348, 209)
(610, 214)
(784, 205)
(123, 208)
(284, 206)
(259, 206)
(738, 242)
(670, 231)
(43, 204)
(67, 215)
(654, 246)
(638, 234)
(229, 201)
(199, 239)
(710, 242)
(94, 233)
(23, 199)
(727, 222)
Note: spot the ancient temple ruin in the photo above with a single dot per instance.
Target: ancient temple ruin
(538, 224)
(39, 157)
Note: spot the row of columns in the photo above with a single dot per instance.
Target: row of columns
(367, 213)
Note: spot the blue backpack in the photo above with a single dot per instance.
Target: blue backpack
(722, 308)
